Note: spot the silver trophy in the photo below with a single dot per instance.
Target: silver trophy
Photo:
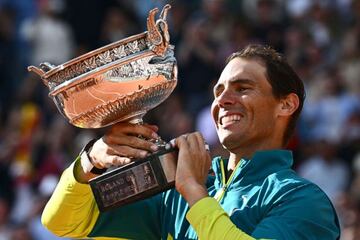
(115, 83)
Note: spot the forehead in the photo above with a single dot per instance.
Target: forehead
(240, 68)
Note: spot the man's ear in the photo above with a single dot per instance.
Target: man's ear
(288, 105)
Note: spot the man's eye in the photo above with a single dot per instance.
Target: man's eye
(217, 92)
(242, 89)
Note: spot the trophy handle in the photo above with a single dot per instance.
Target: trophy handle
(164, 12)
(36, 70)
(47, 66)
(157, 33)
(44, 68)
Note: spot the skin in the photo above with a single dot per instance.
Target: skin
(244, 91)
(247, 117)
(261, 119)
(118, 146)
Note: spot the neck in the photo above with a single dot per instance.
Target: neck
(233, 161)
(236, 155)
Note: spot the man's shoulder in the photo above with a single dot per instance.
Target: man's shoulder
(295, 195)
(287, 184)
(287, 177)
(292, 196)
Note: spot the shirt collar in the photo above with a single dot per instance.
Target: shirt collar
(261, 165)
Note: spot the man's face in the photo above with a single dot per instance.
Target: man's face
(244, 108)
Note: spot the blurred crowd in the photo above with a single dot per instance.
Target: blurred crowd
(320, 38)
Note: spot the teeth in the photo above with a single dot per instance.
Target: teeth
(231, 118)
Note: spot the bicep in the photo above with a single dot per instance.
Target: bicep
(71, 210)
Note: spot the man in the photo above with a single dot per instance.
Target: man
(257, 101)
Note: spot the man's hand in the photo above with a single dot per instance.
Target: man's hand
(192, 167)
(122, 143)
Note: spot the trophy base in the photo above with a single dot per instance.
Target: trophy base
(136, 181)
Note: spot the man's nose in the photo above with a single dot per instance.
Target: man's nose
(226, 98)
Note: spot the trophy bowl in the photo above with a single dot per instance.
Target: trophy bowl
(118, 82)
(115, 83)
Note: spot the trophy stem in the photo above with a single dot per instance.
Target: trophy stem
(139, 121)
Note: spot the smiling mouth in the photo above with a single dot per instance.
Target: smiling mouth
(229, 119)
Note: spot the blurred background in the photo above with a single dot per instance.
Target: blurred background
(320, 38)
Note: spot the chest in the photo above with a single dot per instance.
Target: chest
(243, 205)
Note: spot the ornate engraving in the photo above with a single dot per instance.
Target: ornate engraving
(96, 89)
(96, 61)
(133, 47)
(125, 184)
(140, 69)
(154, 35)
(119, 52)
(142, 44)
(156, 39)
(90, 63)
(104, 58)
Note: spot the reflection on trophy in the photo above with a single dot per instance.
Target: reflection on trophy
(120, 82)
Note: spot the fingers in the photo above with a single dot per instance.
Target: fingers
(126, 139)
(123, 143)
(144, 130)
(113, 160)
(104, 155)
(126, 151)
(131, 141)
(196, 140)
(108, 161)
(193, 141)
(193, 164)
(152, 127)
(180, 142)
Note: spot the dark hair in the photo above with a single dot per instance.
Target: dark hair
(279, 74)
